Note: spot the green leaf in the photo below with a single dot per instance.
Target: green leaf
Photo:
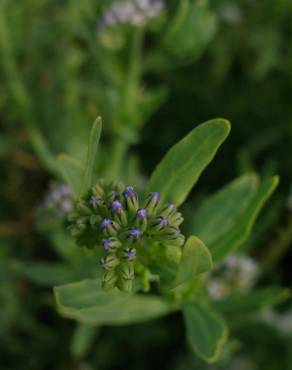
(222, 211)
(206, 331)
(93, 141)
(47, 274)
(71, 170)
(86, 294)
(87, 303)
(255, 300)
(82, 340)
(240, 231)
(181, 167)
(192, 18)
(195, 260)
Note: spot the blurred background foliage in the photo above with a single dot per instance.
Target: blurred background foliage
(195, 61)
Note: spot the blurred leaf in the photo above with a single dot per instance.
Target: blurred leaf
(83, 339)
(86, 294)
(181, 167)
(195, 260)
(242, 228)
(206, 331)
(254, 300)
(42, 150)
(220, 212)
(86, 302)
(71, 170)
(45, 273)
(190, 31)
(93, 141)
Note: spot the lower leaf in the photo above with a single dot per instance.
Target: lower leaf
(206, 331)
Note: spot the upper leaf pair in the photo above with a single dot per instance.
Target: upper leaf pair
(77, 176)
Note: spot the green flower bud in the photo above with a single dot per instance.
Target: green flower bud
(83, 209)
(111, 244)
(152, 203)
(94, 220)
(167, 210)
(176, 219)
(73, 216)
(97, 189)
(126, 276)
(131, 199)
(109, 227)
(110, 262)
(108, 281)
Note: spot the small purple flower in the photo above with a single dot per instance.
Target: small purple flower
(116, 206)
(162, 222)
(135, 233)
(107, 244)
(106, 223)
(142, 214)
(130, 254)
(129, 192)
(111, 244)
(94, 201)
(154, 196)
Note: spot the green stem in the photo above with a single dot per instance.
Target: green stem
(120, 144)
(133, 72)
(278, 247)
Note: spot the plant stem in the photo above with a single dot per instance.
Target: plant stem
(120, 144)
(278, 247)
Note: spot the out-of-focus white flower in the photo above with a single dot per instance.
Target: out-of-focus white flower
(56, 204)
(133, 12)
(230, 13)
(283, 321)
(236, 273)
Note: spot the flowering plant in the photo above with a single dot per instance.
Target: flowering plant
(138, 239)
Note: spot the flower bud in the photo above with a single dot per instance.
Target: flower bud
(94, 201)
(75, 232)
(109, 279)
(131, 199)
(129, 254)
(111, 244)
(109, 262)
(73, 216)
(152, 203)
(141, 218)
(118, 212)
(94, 220)
(83, 209)
(109, 227)
(167, 210)
(159, 223)
(176, 219)
(118, 187)
(126, 276)
(97, 189)
(134, 234)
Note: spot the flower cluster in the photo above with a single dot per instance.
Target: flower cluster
(112, 218)
(56, 204)
(235, 274)
(133, 12)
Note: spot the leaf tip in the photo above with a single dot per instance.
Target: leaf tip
(226, 124)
